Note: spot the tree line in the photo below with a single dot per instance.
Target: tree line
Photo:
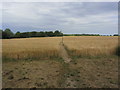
(81, 35)
(8, 34)
(89, 35)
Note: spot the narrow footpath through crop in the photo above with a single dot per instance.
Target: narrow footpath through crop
(70, 75)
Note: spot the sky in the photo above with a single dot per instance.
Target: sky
(69, 17)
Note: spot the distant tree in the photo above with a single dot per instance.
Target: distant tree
(1, 31)
(58, 33)
(41, 34)
(5, 35)
(115, 35)
(38, 34)
(9, 33)
(50, 33)
(33, 34)
(24, 35)
(17, 35)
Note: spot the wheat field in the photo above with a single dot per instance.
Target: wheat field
(49, 47)
(91, 45)
(44, 66)
(31, 48)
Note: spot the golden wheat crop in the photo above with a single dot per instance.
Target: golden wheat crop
(91, 45)
(31, 48)
(49, 47)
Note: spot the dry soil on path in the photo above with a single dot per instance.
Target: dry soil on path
(64, 53)
(70, 82)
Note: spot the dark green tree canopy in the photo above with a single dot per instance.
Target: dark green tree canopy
(9, 33)
(17, 35)
(1, 34)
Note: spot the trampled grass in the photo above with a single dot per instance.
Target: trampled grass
(91, 45)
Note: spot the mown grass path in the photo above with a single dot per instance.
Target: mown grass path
(70, 81)
(64, 53)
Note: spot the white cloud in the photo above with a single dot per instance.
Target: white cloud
(59, 0)
(70, 17)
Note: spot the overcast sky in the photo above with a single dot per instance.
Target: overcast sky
(70, 17)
